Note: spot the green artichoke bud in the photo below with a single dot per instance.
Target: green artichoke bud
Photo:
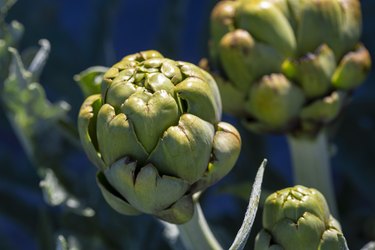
(324, 110)
(313, 72)
(267, 24)
(351, 24)
(245, 61)
(235, 46)
(298, 218)
(222, 22)
(325, 15)
(275, 101)
(156, 137)
(313, 43)
(321, 111)
(352, 70)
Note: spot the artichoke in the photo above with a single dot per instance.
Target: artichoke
(298, 218)
(310, 45)
(156, 137)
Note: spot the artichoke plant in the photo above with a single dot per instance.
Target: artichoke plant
(155, 134)
(287, 65)
(298, 218)
(10, 35)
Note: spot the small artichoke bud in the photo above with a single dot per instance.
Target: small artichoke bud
(352, 70)
(313, 72)
(234, 48)
(267, 24)
(324, 110)
(156, 137)
(222, 22)
(298, 218)
(245, 60)
(275, 101)
(351, 25)
(325, 15)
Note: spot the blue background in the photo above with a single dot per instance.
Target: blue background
(84, 33)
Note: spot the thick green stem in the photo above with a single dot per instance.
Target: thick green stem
(311, 165)
(196, 234)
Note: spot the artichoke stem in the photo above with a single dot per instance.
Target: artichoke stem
(311, 166)
(196, 234)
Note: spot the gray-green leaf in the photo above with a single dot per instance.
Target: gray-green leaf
(243, 234)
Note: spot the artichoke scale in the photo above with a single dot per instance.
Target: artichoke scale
(221, 22)
(275, 101)
(352, 69)
(113, 198)
(234, 48)
(319, 22)
(87, 120)
(305, 233)
(351, 28)
(143, 187)
(324, 110)
(267, 23)
(151, 115)
(313, 72)
(199, 98)
(112, 131)
(225, 151)
(184, 150)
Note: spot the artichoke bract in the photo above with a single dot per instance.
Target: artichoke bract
(298, 218)
(312, 43)
(156, 137)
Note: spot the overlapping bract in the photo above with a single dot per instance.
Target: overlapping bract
(287, 65)
(298, 218)
(155, 134)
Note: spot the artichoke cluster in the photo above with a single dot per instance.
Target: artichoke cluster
(155, 135)
(287, 65)
(298, 218)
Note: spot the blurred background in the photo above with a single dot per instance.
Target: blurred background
(85, 33)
